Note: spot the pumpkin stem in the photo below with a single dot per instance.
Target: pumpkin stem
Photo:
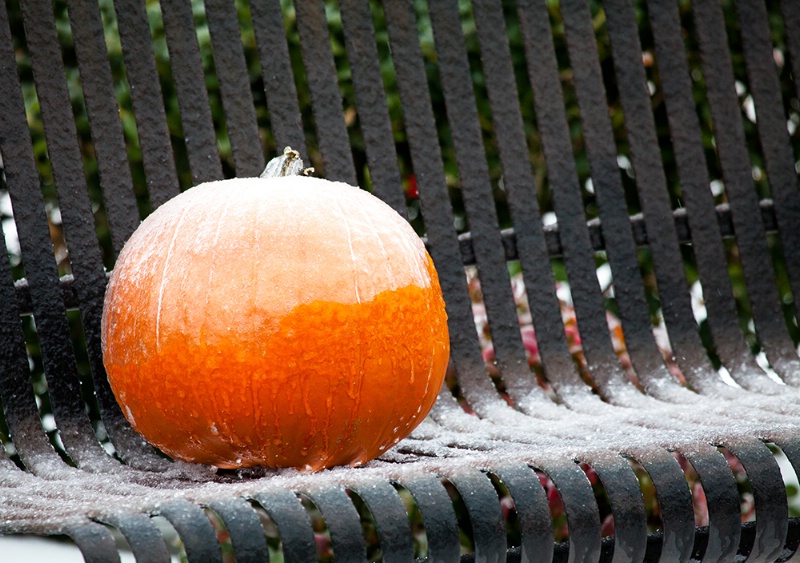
(288, 164)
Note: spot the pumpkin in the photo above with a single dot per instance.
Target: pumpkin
(281, 321)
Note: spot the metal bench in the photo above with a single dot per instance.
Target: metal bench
(647, 453)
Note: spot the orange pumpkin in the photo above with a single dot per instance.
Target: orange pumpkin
(285, 321)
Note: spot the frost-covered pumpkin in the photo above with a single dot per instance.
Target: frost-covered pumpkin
(282, 321)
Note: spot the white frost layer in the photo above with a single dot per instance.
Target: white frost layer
(448, 443)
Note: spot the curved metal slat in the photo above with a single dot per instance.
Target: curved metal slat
(371, 104)
(674, 500)
(722, 498)
(234, 84)
(143, 536)
(583, 516)
(95, 542)
(732, 151)
(245, 529)
(120, 204)
(198, 536)
(651, 185)
(58, 354)
(772, 133)
(294, 525)
(520, 188)
(438, 517)
(769, 493)
(326, 99)
(391, 520)
(426, 157)
(601, 150)
(19, 405)
(344, 524)
(698, 199)
(186, 65)
(462, 111)
(483, 509)
(148, 105)
(533, 512)
(627, 505)
(276, 70)
(567, 200)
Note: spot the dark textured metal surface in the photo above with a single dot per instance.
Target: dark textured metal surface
(583, 517)
(652, 191)
(19, 405)
(520, 190)
(244, 527)
(195, 530)
(371, 104)
(148, 104)
(533, 512)
(60, 364)
(696, 195)
(146, 542)
(326, 98)
(622, 488)
(293, 524)
(734, 160)
(476, 189)
(426, 157)
(234, 84)
(773, 136)
(722, 499)
(76, 208)
(106, 129)
(95, 542)
(438, 517)
(601, 151)
(276, 71)
(674, 502)
(344, 524)
(389, 513)
(485, 516)
(567, 200)
(769, 492)
(186, 65)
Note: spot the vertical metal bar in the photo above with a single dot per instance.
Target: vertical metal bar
(234, 84)
(697, 197)
(520, 190)
(563, 178)
(276, 70)
(342, 520)
(19, 168)
(473, 170)
(772, 133)
(326, 99)
(109, 146)
(244, 527)
(391, 519)
(148, 105)
(426, 157)
(194, 529)
(601, 149)
(49, 311)
(294, 525)
(651, 184)
(187, 70)
(735, 161)
(371, 103)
